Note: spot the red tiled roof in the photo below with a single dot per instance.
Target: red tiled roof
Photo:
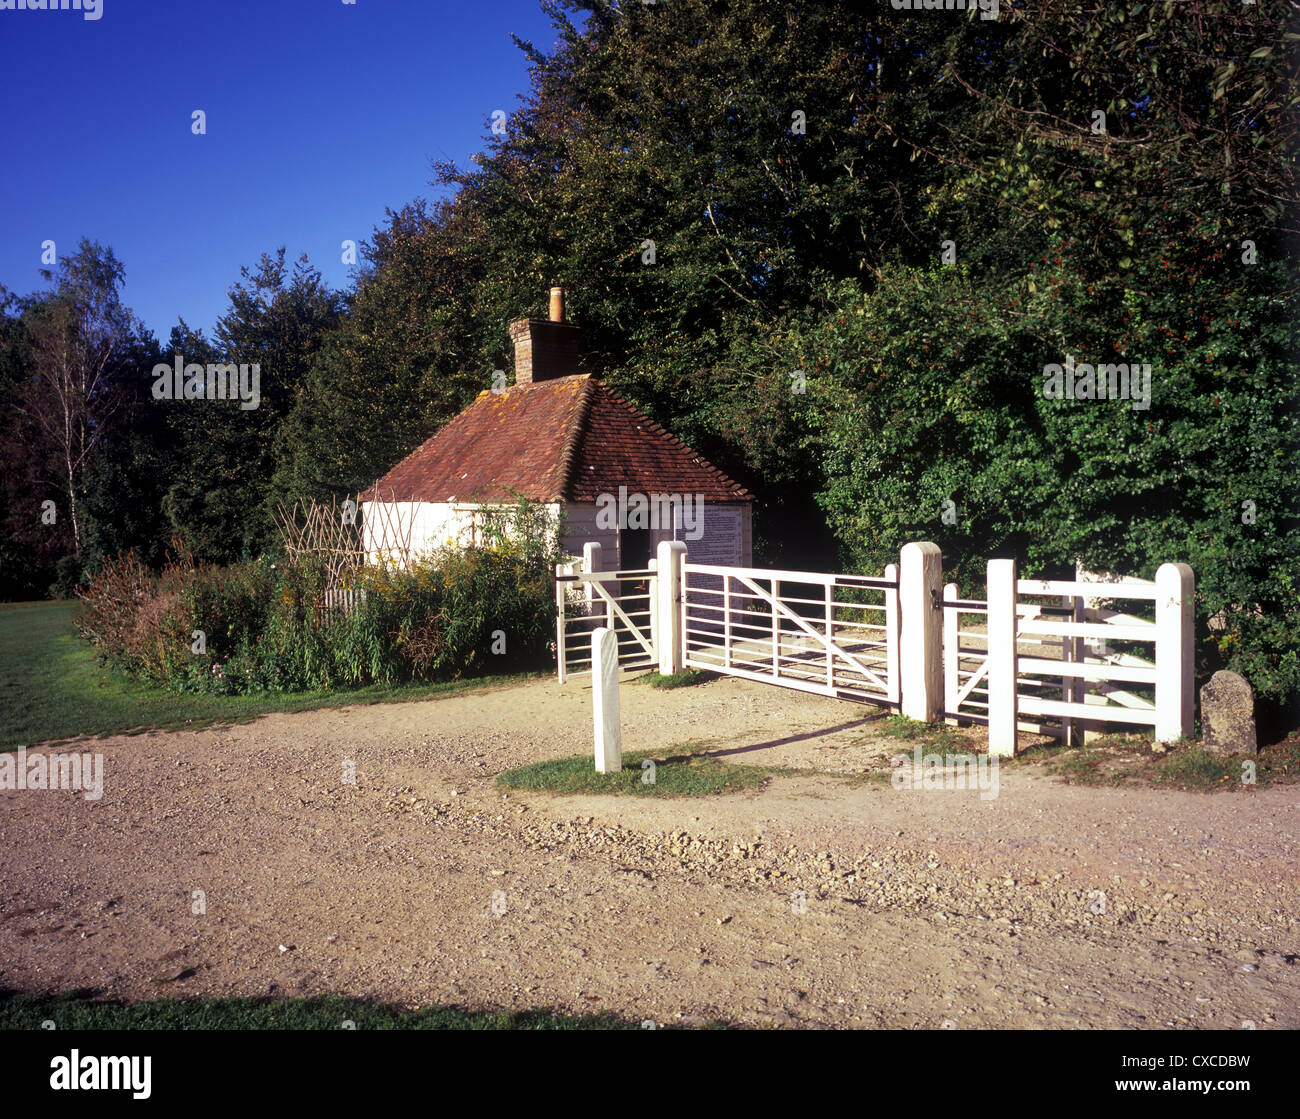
(622, 446)
(567, 439)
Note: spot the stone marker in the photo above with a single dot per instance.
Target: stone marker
(1228, 715)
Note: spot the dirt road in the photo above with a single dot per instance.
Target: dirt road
(813, 902)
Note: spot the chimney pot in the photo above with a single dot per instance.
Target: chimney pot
(546, 348)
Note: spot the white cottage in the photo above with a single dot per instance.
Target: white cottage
(564, 439)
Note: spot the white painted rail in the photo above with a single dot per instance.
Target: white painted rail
(1047, 666)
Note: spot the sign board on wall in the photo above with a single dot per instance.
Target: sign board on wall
(718, 543)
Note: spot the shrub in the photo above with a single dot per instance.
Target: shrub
(929, 390)
(109, 616)
(265, 627)
(67, 578)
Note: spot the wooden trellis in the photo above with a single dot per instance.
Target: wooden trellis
(388, 530)
(334, 533)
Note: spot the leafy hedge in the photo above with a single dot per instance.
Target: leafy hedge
(263, 626)
(929, 390)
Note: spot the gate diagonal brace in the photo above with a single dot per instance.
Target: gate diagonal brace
(618, 612)
(831, 649)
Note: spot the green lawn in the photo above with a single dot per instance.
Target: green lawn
(74, 1011)
(686, 679)
(680, 772)
(51, 689)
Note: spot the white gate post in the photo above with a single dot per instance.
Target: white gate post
(830, 636)
(652, 607)
(590, 564)
(560, 569)
(921, 639)
(951, 654)
(1003, 710)
(1175, 651)
(776, 630)
(671, 647)
(726, 621)
(1075, 650)
(604, 701)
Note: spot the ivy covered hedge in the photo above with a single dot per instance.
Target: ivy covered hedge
(925, 415)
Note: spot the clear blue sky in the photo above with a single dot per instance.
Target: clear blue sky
(319, 114)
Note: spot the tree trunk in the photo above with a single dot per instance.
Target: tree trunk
(72, 508)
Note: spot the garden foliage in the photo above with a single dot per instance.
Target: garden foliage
(265, 625)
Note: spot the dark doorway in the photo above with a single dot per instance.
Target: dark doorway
(634, 555)
(634, 549)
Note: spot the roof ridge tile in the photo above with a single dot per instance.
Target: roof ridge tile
(574, 437)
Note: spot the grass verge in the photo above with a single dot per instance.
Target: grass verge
(680, 773)
(79, 1010)
(938, 735)
(1132, 760)
(51, 688)
(685, 679)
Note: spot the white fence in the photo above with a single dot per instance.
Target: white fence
(1048, 666)
(587, 598)
(1040, 661)
(339, 602)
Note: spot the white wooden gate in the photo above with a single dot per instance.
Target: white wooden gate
(623, 601)
(835, 635)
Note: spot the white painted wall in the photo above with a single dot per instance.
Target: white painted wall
(580, 527)
(433, 525)
(436, 523)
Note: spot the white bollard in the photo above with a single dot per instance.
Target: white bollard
(604, 701)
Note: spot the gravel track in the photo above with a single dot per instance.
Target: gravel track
(814, 901)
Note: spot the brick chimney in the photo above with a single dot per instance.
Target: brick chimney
(545, 348)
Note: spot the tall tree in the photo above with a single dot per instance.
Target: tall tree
(78, 337)
(224, 491)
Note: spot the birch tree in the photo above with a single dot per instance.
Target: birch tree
(78, 337)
